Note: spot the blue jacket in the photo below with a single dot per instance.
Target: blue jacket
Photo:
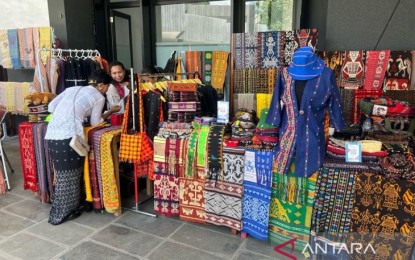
(302, 130)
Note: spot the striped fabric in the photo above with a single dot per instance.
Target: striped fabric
(14, 48)
(27, 55)
(27, 154)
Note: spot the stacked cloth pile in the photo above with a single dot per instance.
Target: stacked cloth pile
(265, 132)
(183, 103)
(243, 128)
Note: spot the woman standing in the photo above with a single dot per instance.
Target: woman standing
(69, 110)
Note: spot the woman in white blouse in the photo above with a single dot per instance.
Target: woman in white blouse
(69, 109)
(119, 87)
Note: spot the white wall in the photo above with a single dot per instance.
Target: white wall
(23, 13)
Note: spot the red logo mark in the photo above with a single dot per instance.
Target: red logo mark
(289, 242)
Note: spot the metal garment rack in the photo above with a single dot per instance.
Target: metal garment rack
(57, 53)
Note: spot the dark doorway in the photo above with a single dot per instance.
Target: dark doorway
(122, 46)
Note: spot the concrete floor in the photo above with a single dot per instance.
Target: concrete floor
(26, 234)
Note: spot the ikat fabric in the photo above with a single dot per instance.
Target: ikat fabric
(399, 69)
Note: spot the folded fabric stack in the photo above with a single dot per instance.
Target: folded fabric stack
(265, 132)
(183, 102)
(243, 128)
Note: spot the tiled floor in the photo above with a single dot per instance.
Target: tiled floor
(26, 234)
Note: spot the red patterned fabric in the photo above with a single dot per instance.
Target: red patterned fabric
(360, 94)
(399, 70)
(166, 195)
(352, 71)
(376, 63)
(192, 200)
(27, 154)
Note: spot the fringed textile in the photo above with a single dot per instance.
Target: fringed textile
(219, 66)
(6, 59)
(27, 55)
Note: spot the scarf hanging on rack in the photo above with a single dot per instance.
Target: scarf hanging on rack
(45, 41)
(27, 55)
(10, 96)
(21, 90)
(193, 61)
(6, 59)
(109, 186)
(398, 73)
(376, 63)
(40, 79)
(27, 153)
(52, 73)
(14, 48)
(207, 67)
(219, 66)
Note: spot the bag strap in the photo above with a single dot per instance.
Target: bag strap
(126, 114)
(140, 102)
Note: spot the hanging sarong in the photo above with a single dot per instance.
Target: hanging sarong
(398, 73)
(193, 61)
(27, 55)
(219, 66)
(42, 155)
(27, 154)
(45, 41)
(376, 63)
(353, 70)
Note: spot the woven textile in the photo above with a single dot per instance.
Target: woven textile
(223, 204)
(383, 215)
(239, 81)
(14, 48)
(334, 199)
(27, 55)
(109, 183)
(233, 165)
(45, 41)
(207, 67)
(263, 101)
(408, 96)
(360, 94)
(10, 96)
(3, 102)
(192, 200)
(346, 96)
(255, 201)
(6, 60)
(68, 172)
(27, 154)
(333, 60)
(398, 73)
(247, 50)
(21, 90)
(166, 194)
(44, 170)
(193, 61)
(272, 49)
(214, 150)
(35, 34)
(291, 208)
(376, 63)
(219, 66)
(296, 39)
(352, 72)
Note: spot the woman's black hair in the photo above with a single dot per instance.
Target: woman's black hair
(116, 63)
(99, 76)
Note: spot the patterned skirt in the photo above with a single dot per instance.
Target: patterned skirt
(68, 171)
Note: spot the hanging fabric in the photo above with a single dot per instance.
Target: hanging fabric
(6, 60)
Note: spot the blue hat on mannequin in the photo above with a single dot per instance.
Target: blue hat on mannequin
(305, 64)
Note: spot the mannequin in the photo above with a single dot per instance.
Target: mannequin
(307, 89)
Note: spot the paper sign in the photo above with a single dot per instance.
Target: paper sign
(223, 112)
(353, 152)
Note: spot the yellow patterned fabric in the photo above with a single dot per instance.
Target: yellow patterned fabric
(45, 41)
(21, 90)
(10, 97)
(219, 65)
(262, 101)
(109, 183)
(6, 60)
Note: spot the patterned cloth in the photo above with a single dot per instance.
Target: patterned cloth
(255, 201)
(214, 151)
(398, 72)
(296, 39)
(192, 199)
(219, 66)
(334, 200)
(272, 49)
(43, 163)
(360, 94)
(247, 50)
(383, 215)
(6, 60)
(376, 63)
(333, 60)
(353, 69)
(27, 55)
(207, 67)
(27, 154)
(96, 198)
(291, 208)
(109, 183)
(3, 102)
(68, 173)
(45, 41)
(14, 48)
(193, 61)
(347, 96)
(263, 101)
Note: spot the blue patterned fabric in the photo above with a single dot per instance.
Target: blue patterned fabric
(272, 50)
(263, 165)
(14, 48)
